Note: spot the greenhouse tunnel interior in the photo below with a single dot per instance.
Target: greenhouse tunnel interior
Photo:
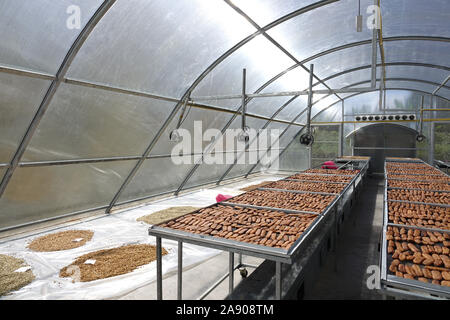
(91, 93)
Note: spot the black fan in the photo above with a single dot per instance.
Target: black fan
(420, 137)
(377, 118)
(307, 139)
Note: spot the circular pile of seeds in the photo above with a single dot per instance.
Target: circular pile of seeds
(10, 280)
(307, 186)
(285, 200)
(110, 262)
(166, 214)
(61, 240)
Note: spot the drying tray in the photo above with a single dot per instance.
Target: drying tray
(402, 286)
(269, 253)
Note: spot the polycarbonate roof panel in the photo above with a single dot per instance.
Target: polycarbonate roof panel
(332, 114)
(89, 123)
(155, 176)
(289, 135)
(259, 57)
(351, 78)
(196, 122)
(294, 80)
(415, 17)
(321, 29)
(158, 46)
(266, 106)
(35, 33)
(443, 92)
(20, 98)
(293, 109)
(367, 103)
(416, 72)
(418, 51)
(240, 169)
(264, 12)
(342, 60)
(411, 85)
(45, 192)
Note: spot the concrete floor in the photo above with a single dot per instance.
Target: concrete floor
(357, 249)
(196, 280)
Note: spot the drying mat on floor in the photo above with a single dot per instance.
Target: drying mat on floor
(255, 186)
(61, 240)
(14, 274)
(166, 214)
(110, 262)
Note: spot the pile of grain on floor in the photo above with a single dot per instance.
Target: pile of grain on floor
(9, 279)
(166, 214)
(61, 240)
(110, 262)
(256, 186)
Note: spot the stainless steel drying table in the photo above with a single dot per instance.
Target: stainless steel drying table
(277, 255)
(400, 287)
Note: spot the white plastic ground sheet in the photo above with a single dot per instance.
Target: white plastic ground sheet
(112, 231)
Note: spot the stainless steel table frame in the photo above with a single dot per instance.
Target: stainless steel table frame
(280, 256)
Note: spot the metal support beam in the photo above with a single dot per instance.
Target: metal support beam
(374, 57)
(441, 85)
(243, 101)
(278, 286)
(432, 136)
(231, 272)
(158, 269)
(257, 135)
(310, 97)
(180, 271)
(70, 56)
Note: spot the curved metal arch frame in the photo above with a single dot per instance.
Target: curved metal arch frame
(59, 78)
(301, 64)
(332, 50)
(198, 80)
(191, 172)
(356, 44)
(335, 75)
(338, 101)
(267, 27)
